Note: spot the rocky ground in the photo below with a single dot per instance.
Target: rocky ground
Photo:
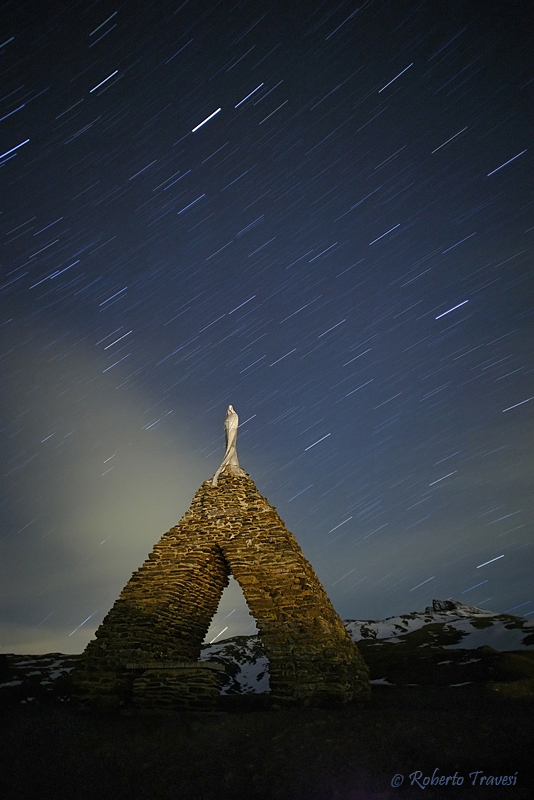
(51, 750)
(248, 750)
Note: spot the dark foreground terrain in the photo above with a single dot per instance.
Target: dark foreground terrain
(444, 704)
(246, 750)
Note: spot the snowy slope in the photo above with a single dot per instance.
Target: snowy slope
(245, 662)
(470, 626)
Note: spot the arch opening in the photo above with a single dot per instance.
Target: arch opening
(233, 616)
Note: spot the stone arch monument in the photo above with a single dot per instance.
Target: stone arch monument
(147, 648)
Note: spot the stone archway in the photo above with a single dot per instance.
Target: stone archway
(163, 613)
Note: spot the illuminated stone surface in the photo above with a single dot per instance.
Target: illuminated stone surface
(164, 611)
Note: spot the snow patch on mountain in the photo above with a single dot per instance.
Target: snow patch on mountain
(246, 665)
(473, 627)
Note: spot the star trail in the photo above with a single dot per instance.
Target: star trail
(320, 213)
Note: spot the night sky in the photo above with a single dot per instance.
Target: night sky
(318, 212)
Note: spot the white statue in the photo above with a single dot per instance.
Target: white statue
(231, 423)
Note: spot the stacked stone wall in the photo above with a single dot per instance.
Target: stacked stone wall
(168, 690)
(164, 611)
